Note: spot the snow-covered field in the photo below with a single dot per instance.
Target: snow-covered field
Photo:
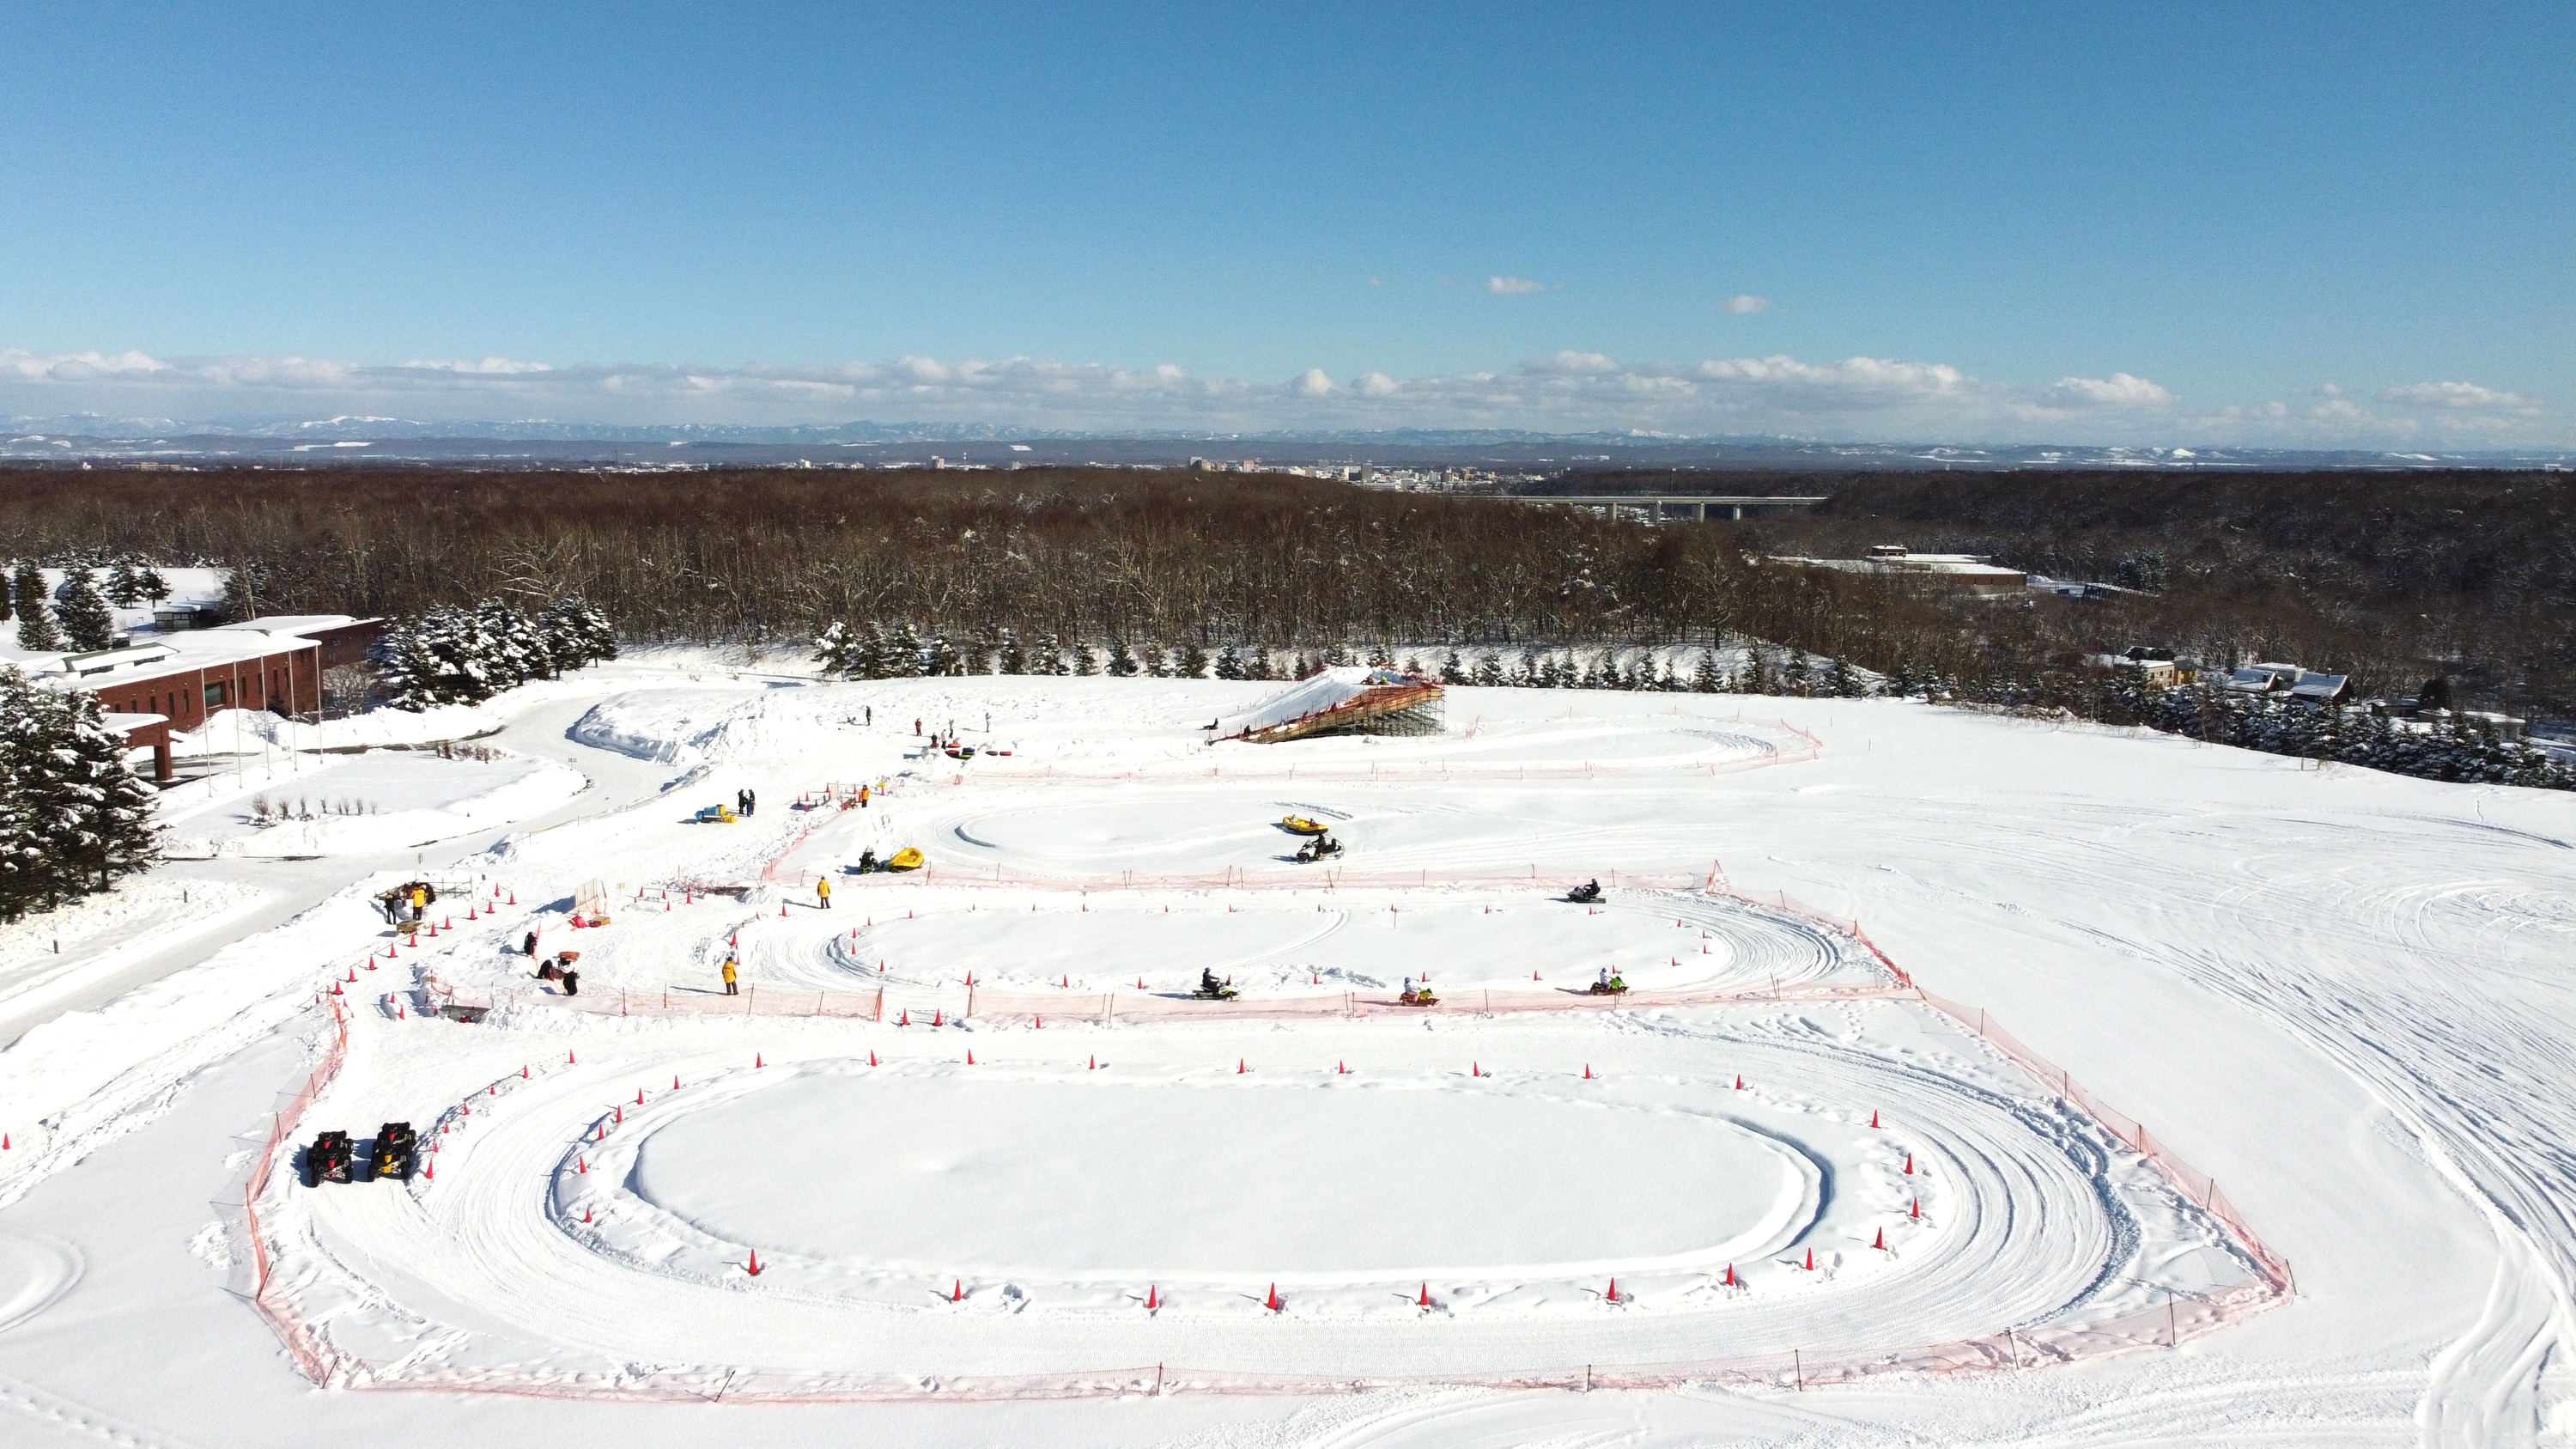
(1010, 1157)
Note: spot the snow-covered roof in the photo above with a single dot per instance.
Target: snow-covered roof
(260, 638)
(286, 624)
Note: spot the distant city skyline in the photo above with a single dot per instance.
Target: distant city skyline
(2293, 226)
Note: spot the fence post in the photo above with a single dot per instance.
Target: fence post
(1798, 1366)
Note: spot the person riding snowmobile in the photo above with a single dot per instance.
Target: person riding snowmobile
(1585, 893)
(867, 860)
(1211, 989)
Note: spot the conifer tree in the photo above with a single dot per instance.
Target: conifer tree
(512, 651)
(87, 620)
(123, 589)
(1014, 658)
(1122, 661)
(1229, 663)
(903, 655)
(1704, 679)
(37, 633)
(832, 648)
(97, 814)
(576, 634)
(1453, 670)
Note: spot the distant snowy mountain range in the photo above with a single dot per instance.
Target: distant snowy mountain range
(537, 441)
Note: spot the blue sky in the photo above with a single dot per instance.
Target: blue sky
(2282, 223)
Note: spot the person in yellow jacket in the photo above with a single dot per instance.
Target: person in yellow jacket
(730, 988)
(823, 892)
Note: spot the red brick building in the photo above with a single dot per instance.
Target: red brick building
(176, 680)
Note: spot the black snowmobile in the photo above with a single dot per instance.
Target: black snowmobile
(1585, 894)
(1318, 847)
(327, 1160)
(1211, 989)
(397, 1151)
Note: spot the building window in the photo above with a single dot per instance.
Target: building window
(215, 696)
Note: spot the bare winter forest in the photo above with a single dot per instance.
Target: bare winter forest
(2391, 577)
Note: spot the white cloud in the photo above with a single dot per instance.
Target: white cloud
(1502, 286)
(490, 366)
(21, 366)
(2457, 395)
(1573, 390)
(2119, 390)
(1745, 304)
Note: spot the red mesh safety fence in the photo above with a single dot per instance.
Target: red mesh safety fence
(2182, 1316)
(310, 1353)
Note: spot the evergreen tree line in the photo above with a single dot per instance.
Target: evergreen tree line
(2451, 748)
(465, 656)
(76, 615)
(902, 651)
(73, 816)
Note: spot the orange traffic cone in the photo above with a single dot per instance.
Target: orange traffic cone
(1273, 1303)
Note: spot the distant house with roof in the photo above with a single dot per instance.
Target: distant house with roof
(2290, 681)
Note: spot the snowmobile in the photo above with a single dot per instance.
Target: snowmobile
(1318, 847)
(1419, 996)
(327, 1160)
(1612, 987)
(867, 860)
(1300, 825)
(397, 1149)
(1585, 894)
(1211, 989)
(716, 815)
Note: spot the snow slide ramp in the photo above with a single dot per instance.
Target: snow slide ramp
(1333, 699)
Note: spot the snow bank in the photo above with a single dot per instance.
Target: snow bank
(541, 788)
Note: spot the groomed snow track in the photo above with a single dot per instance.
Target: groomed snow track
(547, 1160)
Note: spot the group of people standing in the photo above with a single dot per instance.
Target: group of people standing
(744, 800)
